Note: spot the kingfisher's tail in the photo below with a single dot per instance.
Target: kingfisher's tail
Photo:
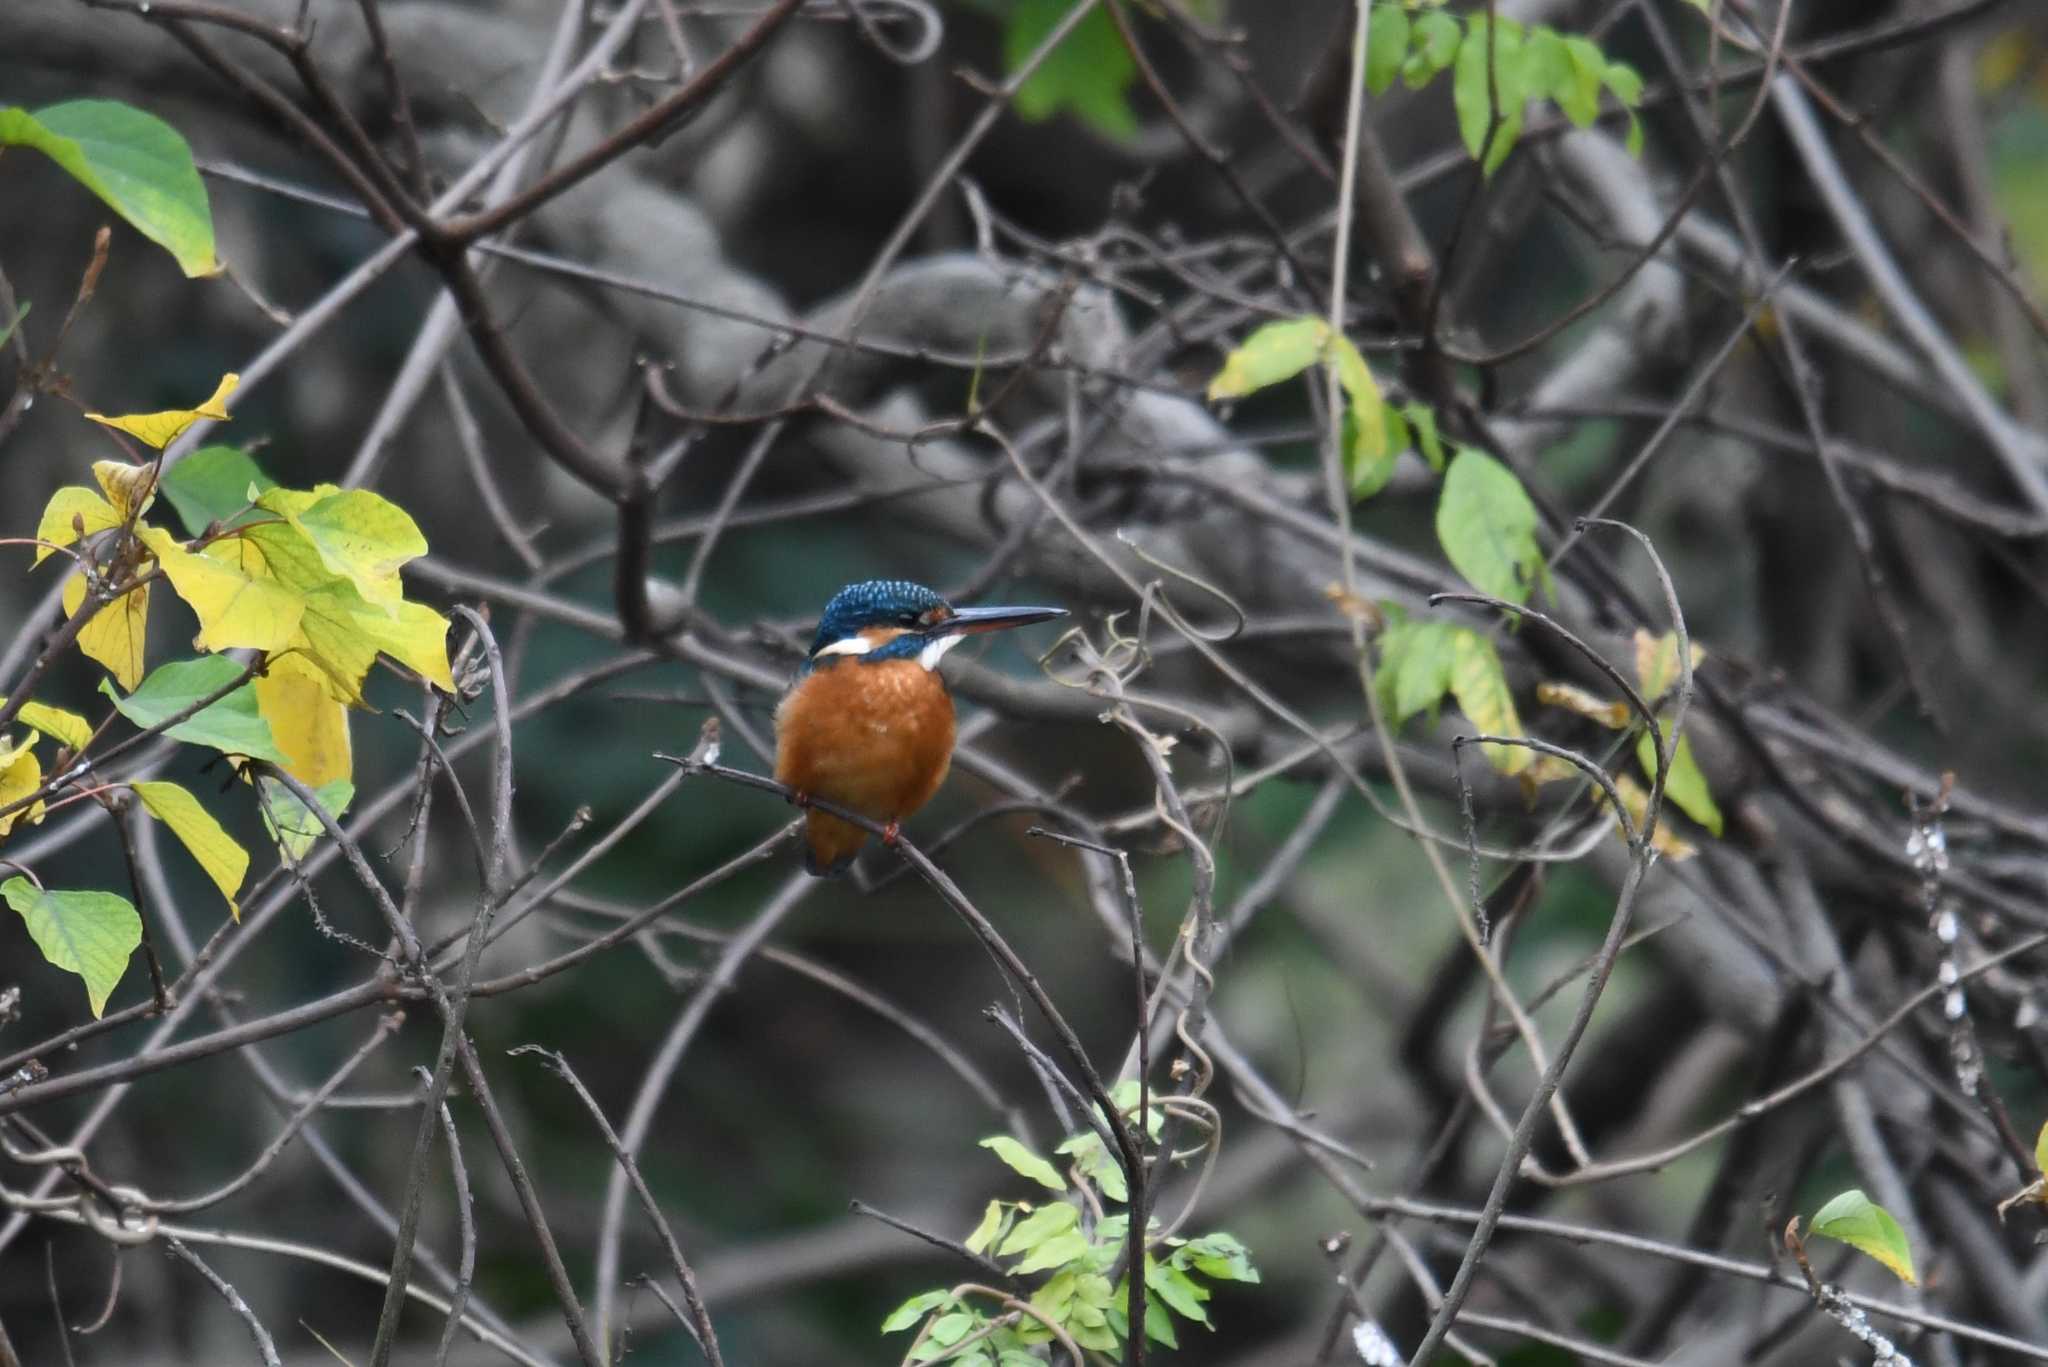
(830, 844)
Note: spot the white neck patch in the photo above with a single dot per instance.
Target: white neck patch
(930, 656)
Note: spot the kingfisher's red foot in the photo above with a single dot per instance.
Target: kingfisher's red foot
(892, 833)
(800, 799)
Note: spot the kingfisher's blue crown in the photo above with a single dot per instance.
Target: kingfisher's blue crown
(874, 603)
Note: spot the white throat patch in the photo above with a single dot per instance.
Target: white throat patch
(930, 656)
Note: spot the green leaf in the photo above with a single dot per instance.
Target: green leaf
(1025, 1161)
(230, 725)
(1685, 785)
(1621, 78)
(292, 827)
(91, 934)
(1222, 1256)
(1579, 96)
(1057, 1251)
(1095, 1163)
(1386, 47)
(1488, 527)
(985, 1232)
(1436, 40)
(1546, 66)
(1090, 73)
(1415, 667)
(913, 1310)
(1861, 1223)
(15, 322)
(1178, 1290)
(134, 161)
(1368, 456)
(1422, 418)
(225, 862)
(1481, 688)
(1475, 86)
(948, 1330)
(1158, 1325)
(212, 485)
(1275, 352)
(1045, 1223)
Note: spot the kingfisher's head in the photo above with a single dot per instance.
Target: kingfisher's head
(893, 619)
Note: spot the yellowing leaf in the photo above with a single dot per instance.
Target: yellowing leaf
(21, 774)
(91, 934)
(1684, 785)
(1861, 1223)
(1275, 352)
(1613, 715)
(66, 728)
(1657, 662)
(984, 1233)
(1368, 455)
(309, 724)
(161, 429)
(116, 632)
(339, 630)
(234, 607)
(1481, 688)
(225, 862)
(2041, 1150)
(130, 488)
(70, 508)
(1637, 802)
(359, 535)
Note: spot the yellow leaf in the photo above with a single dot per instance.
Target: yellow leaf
(418, 639)
(115, 634)
(340, 630)
(1481, 688)
(1277, 351)
(234, 607)
(66, 728)
(359, 535)
(161, 429)
(1657, 662)
(1612, 715)
(310, 725)
(70, 508)
(225, 862)
(20, 774)
(1637, 801)
(130, 488)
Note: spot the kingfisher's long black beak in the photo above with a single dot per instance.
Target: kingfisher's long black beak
(971, 621)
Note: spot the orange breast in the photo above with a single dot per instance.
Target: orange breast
(874, 737)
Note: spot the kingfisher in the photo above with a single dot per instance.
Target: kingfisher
(868, 724)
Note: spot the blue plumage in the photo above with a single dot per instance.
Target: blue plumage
(880, 603)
